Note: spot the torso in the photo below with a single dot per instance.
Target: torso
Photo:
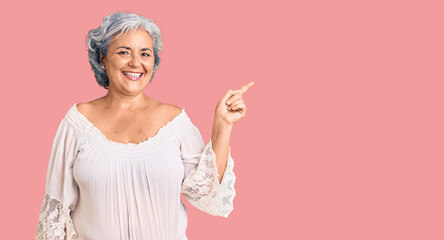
(129, 126)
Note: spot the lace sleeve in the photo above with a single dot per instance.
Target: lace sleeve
(62, 191)
(55, 221)
(202, 189)
(201, 185)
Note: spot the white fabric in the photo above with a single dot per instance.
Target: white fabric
(100, 189)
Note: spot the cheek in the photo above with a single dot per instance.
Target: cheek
(117, 64)
(149, 64)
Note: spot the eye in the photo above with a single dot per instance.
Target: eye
(145, 54)
(123, 52)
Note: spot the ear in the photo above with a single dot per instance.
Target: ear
(102, 59)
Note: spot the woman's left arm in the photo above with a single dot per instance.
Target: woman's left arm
(203, 162)
(220, 138)
(229, 110)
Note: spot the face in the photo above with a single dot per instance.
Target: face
(129, 62)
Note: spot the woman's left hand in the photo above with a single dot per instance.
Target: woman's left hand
(231, 106)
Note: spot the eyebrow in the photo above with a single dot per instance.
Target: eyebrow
(143, 49)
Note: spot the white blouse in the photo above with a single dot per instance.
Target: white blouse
(99, 189)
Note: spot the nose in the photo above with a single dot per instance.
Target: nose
(135, 61)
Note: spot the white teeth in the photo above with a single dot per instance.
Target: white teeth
(132, 74)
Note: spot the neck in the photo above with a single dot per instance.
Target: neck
(125, 102)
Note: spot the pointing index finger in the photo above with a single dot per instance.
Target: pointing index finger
(246, 87)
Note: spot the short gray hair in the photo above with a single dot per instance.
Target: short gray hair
(117, 23)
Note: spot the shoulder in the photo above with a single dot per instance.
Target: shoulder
(83, 113)
(169, 111)
(86, 107)
(173, 109)
(83, 107)
(72, 123)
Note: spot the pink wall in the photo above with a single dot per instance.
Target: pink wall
(343, 137)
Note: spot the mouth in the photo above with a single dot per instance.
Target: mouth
(133, 75)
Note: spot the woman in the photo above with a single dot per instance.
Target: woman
(119, 163)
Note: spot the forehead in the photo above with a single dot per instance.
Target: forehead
(135, 38)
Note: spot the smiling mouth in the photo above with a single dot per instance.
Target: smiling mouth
(132, 74)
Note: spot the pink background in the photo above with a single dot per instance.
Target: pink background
(343, 137)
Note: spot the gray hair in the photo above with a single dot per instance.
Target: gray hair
(114, 24)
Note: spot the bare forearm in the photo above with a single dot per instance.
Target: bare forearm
(220, 138)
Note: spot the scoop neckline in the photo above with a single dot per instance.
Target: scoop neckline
(146, 141)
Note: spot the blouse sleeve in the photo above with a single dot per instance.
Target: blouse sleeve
(61, 192)
(201, 185)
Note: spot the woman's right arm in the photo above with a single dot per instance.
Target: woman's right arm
(61, 191)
